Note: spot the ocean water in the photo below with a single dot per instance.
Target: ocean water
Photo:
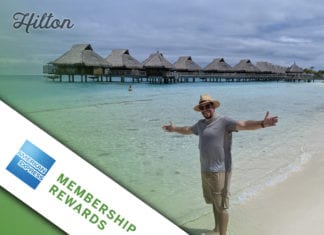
(120, 133)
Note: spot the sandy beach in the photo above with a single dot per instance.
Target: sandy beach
(292, 207)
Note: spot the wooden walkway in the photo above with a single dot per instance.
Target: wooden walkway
(175, 77)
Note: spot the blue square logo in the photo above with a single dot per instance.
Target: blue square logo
(30, 164)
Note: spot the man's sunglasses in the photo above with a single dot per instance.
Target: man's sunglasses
(205, 107)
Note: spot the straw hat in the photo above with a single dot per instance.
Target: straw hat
(206, 99)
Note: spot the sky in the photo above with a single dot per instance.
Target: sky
(277, 31)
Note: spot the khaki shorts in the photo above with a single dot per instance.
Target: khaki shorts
(216, 188)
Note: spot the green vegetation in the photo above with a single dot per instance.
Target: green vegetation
(317, 74)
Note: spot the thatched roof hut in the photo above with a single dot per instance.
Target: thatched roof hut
(121, 59)
(245, 66)
(294, 69)
(280, 69)
(80, 59)
(157, 61)
(185, 63)
(267, 67)
(157, 65)
(218, 65)
(81, 54)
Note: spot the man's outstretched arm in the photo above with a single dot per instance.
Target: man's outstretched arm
(253, 125)
(184, 130)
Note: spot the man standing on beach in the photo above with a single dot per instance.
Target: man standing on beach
(215, 140)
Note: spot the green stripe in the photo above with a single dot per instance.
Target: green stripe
(16, 218)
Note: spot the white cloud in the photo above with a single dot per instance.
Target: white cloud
(286, 39)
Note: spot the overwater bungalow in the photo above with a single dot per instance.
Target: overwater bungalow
(121, 63)
(294, 69)
(79, 60)
(265, 67)
(280, 69)
(157, 66)
(218, 70)
(269, 71)
(296, 73)
(245, 66)
(186, 68)
(218, 65)
(246, 71)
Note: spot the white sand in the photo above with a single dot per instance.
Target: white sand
(293, 207)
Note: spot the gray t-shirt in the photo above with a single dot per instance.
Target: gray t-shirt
(215, 141)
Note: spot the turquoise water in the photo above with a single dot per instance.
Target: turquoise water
(120, 133)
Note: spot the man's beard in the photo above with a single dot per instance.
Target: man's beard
(208, 115)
